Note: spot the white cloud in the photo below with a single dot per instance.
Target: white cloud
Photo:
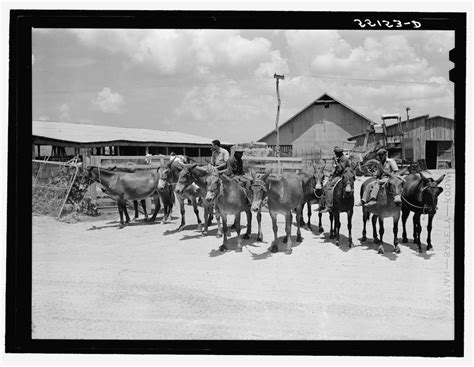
(109, 102)
(64, 113)
(44, 118)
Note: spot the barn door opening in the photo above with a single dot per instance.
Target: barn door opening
(431, 154)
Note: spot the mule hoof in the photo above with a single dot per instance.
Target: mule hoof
(285, 240)
(222, 248)
(429, 247)
(260, 239)
(376, 240)
(337, 243)
(331, 236)
(397, 250)
(404, 240)
(246, 236)
(238, 249)
(274, 249)
(363, 239)
(299, 239)
(420, 250)
(351, 244)
(288, 252)
(381, 250)
(321, 229)
(121, 226)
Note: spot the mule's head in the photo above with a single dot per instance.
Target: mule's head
(213, 186)
(348, 179)
(185, 178)
(395, 187)
(259, 190)
(430, 192)
(318, 179)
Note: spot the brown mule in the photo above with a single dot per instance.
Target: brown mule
(230, 199)
(313, 192)
(388, 205)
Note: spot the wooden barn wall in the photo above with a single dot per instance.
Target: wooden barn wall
(322, 128)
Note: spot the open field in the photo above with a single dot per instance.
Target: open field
(92, 280)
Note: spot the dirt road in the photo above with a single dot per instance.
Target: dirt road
(147, 281)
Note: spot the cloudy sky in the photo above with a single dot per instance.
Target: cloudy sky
(219, 83)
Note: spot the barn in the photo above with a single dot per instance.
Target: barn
(62, 141)
(429, 140)
(314, 131)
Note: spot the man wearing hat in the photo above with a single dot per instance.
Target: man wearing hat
(341, 162)
(369, 197)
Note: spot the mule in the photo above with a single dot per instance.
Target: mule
(388, 205)
(313, 192)
(258, 187)
(123, 186)
(193, 178)
(420, 196)
(230, 198)
(166, 195)
(169, 175)
(284, 194)
(343, 202)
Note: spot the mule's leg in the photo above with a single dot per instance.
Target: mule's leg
(223, 247)
(405, 214)
(156, 200)
(237, 229)
(337, 226)
(288, 220)
(320, 225)
(299, 213)
(125, 211)
(331, 231)
(196, 212)
(374, 228)
(135, 206)
(365, 218)
(308, 204)
(211, 212)
(396, 218)
(417, 230)
(381, 232)
(302, 222)
(219, 227)
(349, 226)
(143, 202)
(206, 215)
(248, 213)
(274, 246)
(182, 211)
(119, 206)
(429, 227)
(259, 221)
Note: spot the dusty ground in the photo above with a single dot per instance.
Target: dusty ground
(93, 280)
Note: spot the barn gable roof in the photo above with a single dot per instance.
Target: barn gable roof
(82, 133)
(324, 98)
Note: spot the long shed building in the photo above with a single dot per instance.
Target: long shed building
(62, 140)
(314, 131)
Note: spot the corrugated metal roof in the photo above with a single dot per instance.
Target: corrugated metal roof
(81, 133)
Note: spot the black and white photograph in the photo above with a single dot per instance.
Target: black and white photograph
(245, 183)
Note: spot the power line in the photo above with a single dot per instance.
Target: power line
(217, 80)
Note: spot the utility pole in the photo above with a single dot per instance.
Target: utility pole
(277, 146)
(402, 137)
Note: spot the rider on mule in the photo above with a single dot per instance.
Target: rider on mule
(370, 194)
(220, 156)
(341, 162)
(235, 169)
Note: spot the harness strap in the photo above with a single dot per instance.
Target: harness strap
(424, 207)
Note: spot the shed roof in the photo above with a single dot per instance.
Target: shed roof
(81, 133)
(325, 98)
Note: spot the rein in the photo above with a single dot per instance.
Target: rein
(424, 207)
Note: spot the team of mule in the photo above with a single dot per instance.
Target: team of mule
(389, 194)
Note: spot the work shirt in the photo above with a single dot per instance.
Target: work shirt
(341, 163)
(219, 157)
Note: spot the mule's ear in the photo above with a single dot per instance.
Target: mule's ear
(424, 178)
(266, 174)
(440, 190)
(438, 181)
(252, 173)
